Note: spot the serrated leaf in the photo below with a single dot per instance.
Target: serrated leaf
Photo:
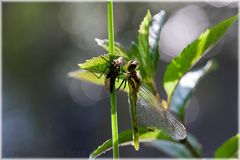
(154, 34)
(229, 149)
(178, 150)
(96, 64)
(143, 45)
(87, 76)
(119, 49)
(186, 86)
(125, 138)
(192, 54)
(91, 78)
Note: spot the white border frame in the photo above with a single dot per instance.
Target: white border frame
(70, 1)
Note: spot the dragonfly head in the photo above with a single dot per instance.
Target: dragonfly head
(132, 65)
(120, 61)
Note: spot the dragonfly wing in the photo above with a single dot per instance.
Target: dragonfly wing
(151, 114)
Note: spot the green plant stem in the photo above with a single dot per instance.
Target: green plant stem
(110, 28)
(113, 94)
(114, 124)
(155, 90)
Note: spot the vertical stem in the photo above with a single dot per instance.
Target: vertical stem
(113, 94)
(114, 124)
(155, 91)
(110, 28)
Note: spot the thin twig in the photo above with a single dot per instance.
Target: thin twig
(113, 93)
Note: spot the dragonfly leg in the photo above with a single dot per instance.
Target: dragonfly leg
(124, 85)
(97, 75)
(119, 74)
(100, 74)
(104, 59)
(124, 71)
(124, 80)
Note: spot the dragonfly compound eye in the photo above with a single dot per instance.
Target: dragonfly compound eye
(135, 63)
(132, 65)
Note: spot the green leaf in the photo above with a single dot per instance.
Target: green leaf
(229, 149)
(192, 54)
(87, 76)
(125, 138)
(147, 53)
(178, 150)
(143, 45)
(119, 49)
(186, 86)
(91, 78)
(172, 149)
(96, 64)
(194, 143)
(133, 52)
(154, 34)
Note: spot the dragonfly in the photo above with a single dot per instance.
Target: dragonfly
(134, 82)
(114, 72)
(146, 109)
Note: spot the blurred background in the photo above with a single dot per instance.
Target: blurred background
(47, 114)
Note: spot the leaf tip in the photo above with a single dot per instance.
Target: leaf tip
(70, 74)
(80, 65)
(148, 12)
(99, 41)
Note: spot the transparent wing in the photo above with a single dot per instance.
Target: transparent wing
(151, 114)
